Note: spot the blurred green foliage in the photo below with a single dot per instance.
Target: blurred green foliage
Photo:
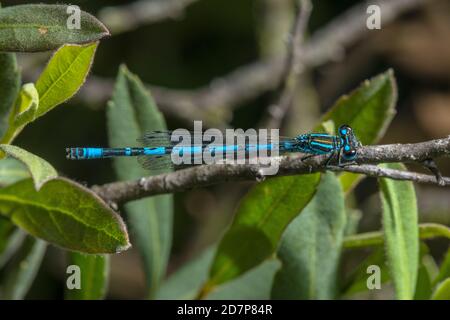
(209, 40)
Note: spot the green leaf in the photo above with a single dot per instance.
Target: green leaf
(61, 79)
(64, 75)
(368, 110)
(357, 280)
(40, 27)
(260, 220)
(40, 170)
(253, 285)
(423, 286)
(24, 112)
(376, 238)
(185, 282)
(311, 246)
(9, 88)
(444, 270)
(401, 232)
(10, 240)
(442, 291)
(353, 219)
(131, 113)
(21, 272)
(26, 105)
(94, 271)
(11, 171)
(65, 214)
(425, 274)
(6, 229)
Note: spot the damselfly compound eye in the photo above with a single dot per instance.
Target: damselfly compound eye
(349, 153)
(345, 130)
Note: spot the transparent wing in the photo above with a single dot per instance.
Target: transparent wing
(164, 139)
(158, 164)
(163, 163)
(156, 139)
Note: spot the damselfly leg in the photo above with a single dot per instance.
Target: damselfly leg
(329, 158)
(307, 157)
(332, 155)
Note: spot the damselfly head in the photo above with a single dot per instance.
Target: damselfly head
(350, 143)
(348, 136)
(345, 130)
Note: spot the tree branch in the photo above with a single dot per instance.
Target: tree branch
(249, 81)
(131, 16)
(201, 176)
(292, 67)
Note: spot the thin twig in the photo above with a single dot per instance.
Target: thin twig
(131, 16)
(432, 166)
(377, 172)
(248, 82)
(292, 68)
(119, 192)
(376, 238)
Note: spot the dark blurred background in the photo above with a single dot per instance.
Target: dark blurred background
(214, 37)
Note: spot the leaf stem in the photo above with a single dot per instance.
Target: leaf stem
(375, 238)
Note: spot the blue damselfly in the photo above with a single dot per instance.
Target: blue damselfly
(159, 147)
